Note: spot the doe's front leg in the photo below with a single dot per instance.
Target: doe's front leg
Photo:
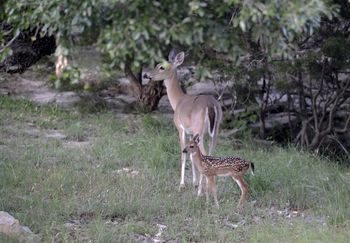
(183, 165)
(183, 158)
(194, 176)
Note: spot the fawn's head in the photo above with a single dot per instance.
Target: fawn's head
(166, 69)
(192, 145)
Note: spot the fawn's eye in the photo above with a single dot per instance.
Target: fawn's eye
(191, 146)
(161, 68)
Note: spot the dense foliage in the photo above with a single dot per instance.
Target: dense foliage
(142, 31)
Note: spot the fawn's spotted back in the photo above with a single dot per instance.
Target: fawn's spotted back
(236, 163)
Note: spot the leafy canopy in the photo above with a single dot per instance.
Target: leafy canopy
(143, 31)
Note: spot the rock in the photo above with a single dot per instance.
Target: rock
(185, 73)
(11, 227)
(202, 88)
(8, 224)
(276, 120)
(67, 99)
(55, 134)
(121, 102)
(164, 105)
(124, 87)
(76, 144)
(158, 236)
(44, 98)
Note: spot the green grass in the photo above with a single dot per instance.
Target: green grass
(47, 182)
(298, 231)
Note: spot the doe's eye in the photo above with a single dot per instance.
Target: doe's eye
(191, 146)
(161, 68)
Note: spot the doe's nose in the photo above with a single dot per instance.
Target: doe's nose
(146, 75)
(184, 151)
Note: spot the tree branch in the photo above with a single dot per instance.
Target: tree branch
(10, 42)
(134, 81)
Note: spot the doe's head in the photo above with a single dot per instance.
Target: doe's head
(166, 69)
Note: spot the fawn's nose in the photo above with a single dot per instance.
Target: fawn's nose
(184, 151)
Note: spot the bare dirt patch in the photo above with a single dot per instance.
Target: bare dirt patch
(35, 132)
(25, 86)
(76, 144)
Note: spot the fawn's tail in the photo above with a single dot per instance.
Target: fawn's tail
(252, 167)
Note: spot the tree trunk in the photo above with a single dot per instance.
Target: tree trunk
(265, 93)
(135, 82)
(151, 95)
(148, 95)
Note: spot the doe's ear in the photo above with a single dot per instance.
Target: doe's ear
(172, 55)
(179, 58)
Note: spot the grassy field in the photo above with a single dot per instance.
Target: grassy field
(107, 177)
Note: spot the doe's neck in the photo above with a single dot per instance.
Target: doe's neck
(173, 89)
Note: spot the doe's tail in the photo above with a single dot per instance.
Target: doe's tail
(212, 115)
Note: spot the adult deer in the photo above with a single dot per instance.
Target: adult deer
(193, 114)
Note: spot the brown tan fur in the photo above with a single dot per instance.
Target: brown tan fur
(211, 166)
(193, 114)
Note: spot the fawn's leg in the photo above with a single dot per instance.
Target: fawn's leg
(214, 191)
(207, 188)
(200, 184)
(212, 187)
(243, 186)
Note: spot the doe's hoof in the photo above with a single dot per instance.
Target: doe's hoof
(240, 208)
(181, 187)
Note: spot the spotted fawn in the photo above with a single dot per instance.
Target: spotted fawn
(211, 166)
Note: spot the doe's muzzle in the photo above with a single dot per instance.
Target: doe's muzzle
(184, 151)
(146, 75)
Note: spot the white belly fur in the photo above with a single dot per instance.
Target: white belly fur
(224, 174)
(187, 130)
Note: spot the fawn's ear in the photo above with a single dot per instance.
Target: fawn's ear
(196, 138)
